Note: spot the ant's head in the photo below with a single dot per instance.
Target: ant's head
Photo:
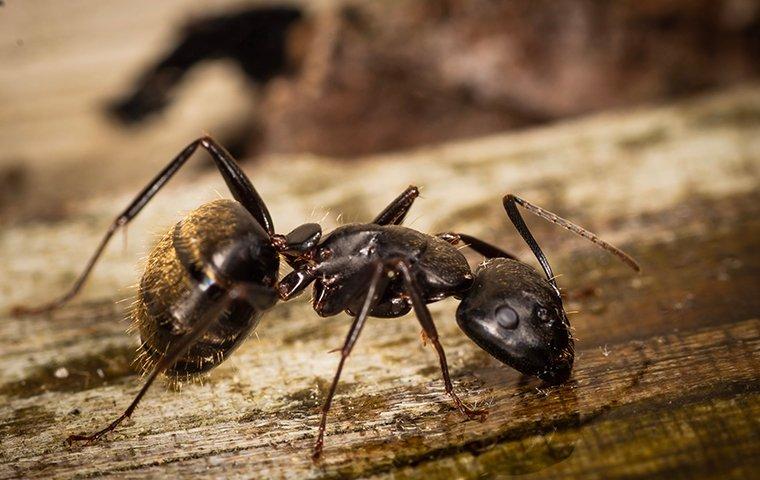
(516, 315)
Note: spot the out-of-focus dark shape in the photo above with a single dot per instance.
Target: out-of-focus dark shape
(377, 76)
(13, 182)
(254, 38)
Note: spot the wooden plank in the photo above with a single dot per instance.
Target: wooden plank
(658, 384)
(667, 370)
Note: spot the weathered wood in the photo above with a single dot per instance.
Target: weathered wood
(666, 379)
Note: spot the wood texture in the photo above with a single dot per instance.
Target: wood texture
(667, 373)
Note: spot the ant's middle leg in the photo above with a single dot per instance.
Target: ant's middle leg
(396, 211)
(238, 183)
(431, 333)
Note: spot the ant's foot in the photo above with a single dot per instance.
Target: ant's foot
(479, 415)
(25, 311)
(468, 412)
(88, 439)
(316, 454)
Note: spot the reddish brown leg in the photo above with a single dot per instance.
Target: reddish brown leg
(426, 320)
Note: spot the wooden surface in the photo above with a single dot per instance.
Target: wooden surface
(667, 370)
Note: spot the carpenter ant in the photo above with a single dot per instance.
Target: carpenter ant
(212, 276)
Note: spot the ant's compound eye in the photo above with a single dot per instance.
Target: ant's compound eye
(507, 317)
(542, 314)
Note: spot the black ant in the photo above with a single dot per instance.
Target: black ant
(212, 276)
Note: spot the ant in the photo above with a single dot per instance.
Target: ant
(210, 278)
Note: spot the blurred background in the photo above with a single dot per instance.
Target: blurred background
(95, 96)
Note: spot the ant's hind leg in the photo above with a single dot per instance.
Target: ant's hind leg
(176, 351)
(482, 247)
(396, 211)
(238, 183)
(377, 285)
(423, 315)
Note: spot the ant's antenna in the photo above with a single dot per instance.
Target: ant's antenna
(510, 205)
(578, 230)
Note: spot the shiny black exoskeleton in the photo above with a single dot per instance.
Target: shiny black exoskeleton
(383, 269)
(210, 278)
(515, 315)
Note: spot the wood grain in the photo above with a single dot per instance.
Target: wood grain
(667, 371)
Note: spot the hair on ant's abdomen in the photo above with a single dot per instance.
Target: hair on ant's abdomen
(171, 295)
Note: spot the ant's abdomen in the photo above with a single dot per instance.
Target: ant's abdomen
(188, 271)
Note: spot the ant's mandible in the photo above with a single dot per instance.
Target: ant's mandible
(210, 278)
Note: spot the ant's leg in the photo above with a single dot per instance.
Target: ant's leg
(510, 205)
(176, 351)
(377, 285)
(395, 213)
(423, 315)
(476, 244)
(240, 186)
(238, 183)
